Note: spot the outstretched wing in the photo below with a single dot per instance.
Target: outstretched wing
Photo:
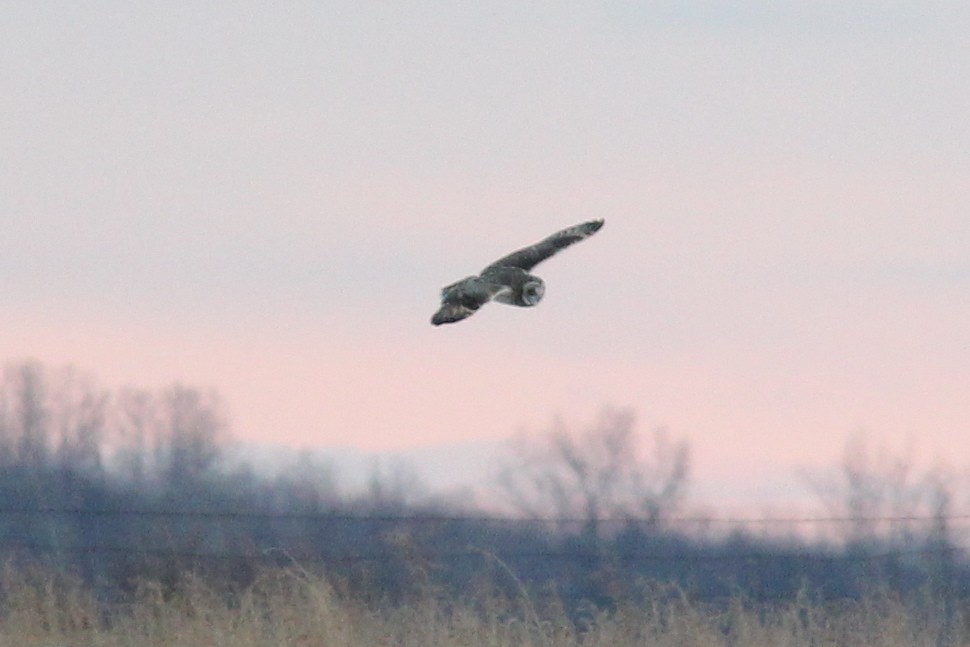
(462, 299)
(451, 312)
(528, 257)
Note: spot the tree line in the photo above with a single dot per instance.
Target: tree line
(132, 484)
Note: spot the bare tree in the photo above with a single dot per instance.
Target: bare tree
(51, 425)
(78, 415)
(136, 425)
(193, 428)
(882, 497)
(902, 512)
(25, 428)
(596, 474)
(52, 418)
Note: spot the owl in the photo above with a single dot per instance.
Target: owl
(507, 280)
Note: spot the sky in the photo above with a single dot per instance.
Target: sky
(266, 199)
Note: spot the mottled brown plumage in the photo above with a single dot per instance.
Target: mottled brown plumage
(507, 280)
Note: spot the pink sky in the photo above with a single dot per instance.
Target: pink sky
(267, 203)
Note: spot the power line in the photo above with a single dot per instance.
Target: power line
(324, 515)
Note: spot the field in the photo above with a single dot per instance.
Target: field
(290, 607)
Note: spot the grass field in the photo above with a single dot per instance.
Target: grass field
(288, 607)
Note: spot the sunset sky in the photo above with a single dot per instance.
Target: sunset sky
(265, 198)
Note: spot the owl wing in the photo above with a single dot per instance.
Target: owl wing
(462, 299)
(451, 312)
(528, 257)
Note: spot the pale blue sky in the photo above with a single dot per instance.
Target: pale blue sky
(266, 199)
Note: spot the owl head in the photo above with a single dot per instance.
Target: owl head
(532, 291)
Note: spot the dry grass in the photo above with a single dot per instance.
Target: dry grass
(287, 607)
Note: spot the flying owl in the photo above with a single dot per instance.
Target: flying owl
(507, 280)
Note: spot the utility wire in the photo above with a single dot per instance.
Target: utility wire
(364, 517)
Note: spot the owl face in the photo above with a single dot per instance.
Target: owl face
(532, 291)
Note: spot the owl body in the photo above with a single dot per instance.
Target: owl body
(508, 280)
(516, 286)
